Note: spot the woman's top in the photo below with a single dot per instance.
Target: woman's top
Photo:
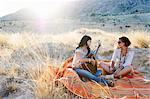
(76, 60)
(125, 60)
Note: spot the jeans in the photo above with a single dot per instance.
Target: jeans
(89, 75)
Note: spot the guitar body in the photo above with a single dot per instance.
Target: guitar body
(91, 67)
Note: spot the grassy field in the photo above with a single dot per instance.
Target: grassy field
(26, 57)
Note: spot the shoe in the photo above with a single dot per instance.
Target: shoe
(111, 84)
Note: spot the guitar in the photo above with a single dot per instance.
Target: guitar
(90, 66)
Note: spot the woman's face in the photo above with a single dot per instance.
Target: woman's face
(121, 44)
(89, 43)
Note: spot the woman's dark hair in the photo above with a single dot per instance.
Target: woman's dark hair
(125, 40)
(83, 42)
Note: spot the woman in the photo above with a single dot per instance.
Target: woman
(80, 56)
(121, 62)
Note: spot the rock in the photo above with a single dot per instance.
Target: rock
(16, 88)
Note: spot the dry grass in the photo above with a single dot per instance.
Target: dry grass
(4, 40)
(2, 70)
(32, 56)
(140, 39)
(11, 87)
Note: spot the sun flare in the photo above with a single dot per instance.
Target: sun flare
(48, 9)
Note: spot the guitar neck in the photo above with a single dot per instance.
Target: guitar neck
(97, 49)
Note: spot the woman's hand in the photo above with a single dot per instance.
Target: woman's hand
(121, 67)
(117, 71)
(91, 60)
(112, 63)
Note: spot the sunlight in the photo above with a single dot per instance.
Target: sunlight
(11, 6)
(46, 10)
(49, 9)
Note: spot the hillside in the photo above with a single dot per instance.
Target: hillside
(89, 8)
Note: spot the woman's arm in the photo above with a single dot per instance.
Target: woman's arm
(78, 56)
(113, 59)
(112, 63)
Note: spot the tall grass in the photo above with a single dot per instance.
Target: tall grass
(140, 39)
(3, 40)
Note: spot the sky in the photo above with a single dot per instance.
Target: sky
(11, 6)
